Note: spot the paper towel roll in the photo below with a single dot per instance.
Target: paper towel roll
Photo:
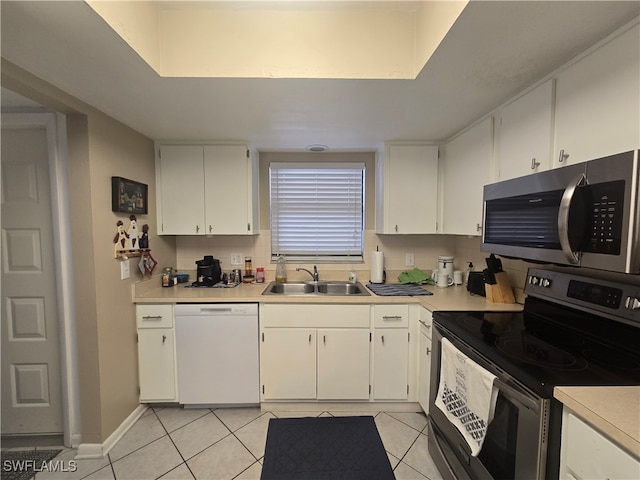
(377, 267)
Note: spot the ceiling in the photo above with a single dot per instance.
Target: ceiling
(493, 51)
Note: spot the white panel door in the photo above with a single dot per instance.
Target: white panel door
(288, 363)
(390, 364)
(31, 390)
(156, 364)
(181, 190)
(343, 364)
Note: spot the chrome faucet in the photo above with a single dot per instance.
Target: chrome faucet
(314, 275)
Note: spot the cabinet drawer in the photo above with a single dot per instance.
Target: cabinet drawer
(590, 454)
(154, 316)
(391, 316)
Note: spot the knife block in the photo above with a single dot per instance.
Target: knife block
(501, 292)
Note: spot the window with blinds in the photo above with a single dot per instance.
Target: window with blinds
(317, 211)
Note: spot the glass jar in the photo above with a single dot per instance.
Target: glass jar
(281, 270)
(260, 275)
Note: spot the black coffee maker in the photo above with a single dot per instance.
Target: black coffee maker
(209, 272)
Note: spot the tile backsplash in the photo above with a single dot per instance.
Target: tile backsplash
(425, 250)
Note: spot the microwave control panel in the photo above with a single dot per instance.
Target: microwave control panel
(604, 233)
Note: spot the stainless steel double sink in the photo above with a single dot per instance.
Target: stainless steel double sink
(333, 289)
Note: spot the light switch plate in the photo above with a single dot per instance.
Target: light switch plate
(236, 259)
(409, 259)
(125, 271)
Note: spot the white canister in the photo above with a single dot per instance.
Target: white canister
(445, 265)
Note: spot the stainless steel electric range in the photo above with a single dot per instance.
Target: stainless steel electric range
(574, 330)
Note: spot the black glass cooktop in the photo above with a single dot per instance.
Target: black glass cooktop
(547, 345)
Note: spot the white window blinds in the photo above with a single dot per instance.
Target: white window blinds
(317, 211)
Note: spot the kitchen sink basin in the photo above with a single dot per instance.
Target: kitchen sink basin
(330, 289)
(290, 288)
(339, 288)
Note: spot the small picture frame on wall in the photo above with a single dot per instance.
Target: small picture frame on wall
(128, 196)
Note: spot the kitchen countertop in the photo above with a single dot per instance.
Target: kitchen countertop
(615, 411)
(451, 298)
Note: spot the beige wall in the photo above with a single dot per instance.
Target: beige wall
(100, 147)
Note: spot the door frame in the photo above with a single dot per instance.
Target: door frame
(55, 125)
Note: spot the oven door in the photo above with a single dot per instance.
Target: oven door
(515, 445)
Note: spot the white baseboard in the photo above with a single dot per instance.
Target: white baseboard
(99, 450)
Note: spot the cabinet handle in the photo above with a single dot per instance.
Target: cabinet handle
(210, 228)
(309, 338)
(324, 339)
(197, 228)
(424, 323)
(563, 156)
(396, 228)
(392, 317)
(152, 317)
(382, 339)
(534, 164)
(164, 338)
(478, 227)
(428, 351)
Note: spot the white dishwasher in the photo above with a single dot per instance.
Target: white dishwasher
(217, 354)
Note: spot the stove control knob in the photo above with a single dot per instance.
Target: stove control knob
(533, 280)
(545, 282)
(632, 303)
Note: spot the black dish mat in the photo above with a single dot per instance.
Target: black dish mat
(24, 464)
(325, 448)
(397, 290)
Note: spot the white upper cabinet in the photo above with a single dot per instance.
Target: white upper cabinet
(207, 190)
(466, 169)
(597, 102)
(524, 134)
(407, 189)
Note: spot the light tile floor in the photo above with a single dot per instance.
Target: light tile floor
(221, 444)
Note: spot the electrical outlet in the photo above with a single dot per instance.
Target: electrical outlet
(237, 259)
(409, 259)
(125, 271)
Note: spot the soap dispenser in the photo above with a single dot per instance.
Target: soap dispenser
(281, 270)
(466, 274)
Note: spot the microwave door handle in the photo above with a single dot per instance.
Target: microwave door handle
(563, 218)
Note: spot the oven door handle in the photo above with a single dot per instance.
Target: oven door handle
(563, 219)
(517, 395)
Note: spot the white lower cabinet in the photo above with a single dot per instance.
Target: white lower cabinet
(424, 369)
(314, 352)
(156, 353)
(288, 363)
(588, 454)
(343, 364)
(391, 340)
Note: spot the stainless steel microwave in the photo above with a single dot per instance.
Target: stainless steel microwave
(585, 215)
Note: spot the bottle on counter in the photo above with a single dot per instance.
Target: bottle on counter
(260, 275)
(248, 269)
(281, 270)
(466, 273)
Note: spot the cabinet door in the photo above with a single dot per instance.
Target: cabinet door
(156, 364)
(597, 102)
(524, 134)
(343, 364)
(424, 370)
(229, 192)
(390, 364)
(288, 363)
(466, 168)
(411, 189)
(180, 190)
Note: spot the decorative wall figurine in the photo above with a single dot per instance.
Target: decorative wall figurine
(144, 237)
(133, 234)
(121, 239)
